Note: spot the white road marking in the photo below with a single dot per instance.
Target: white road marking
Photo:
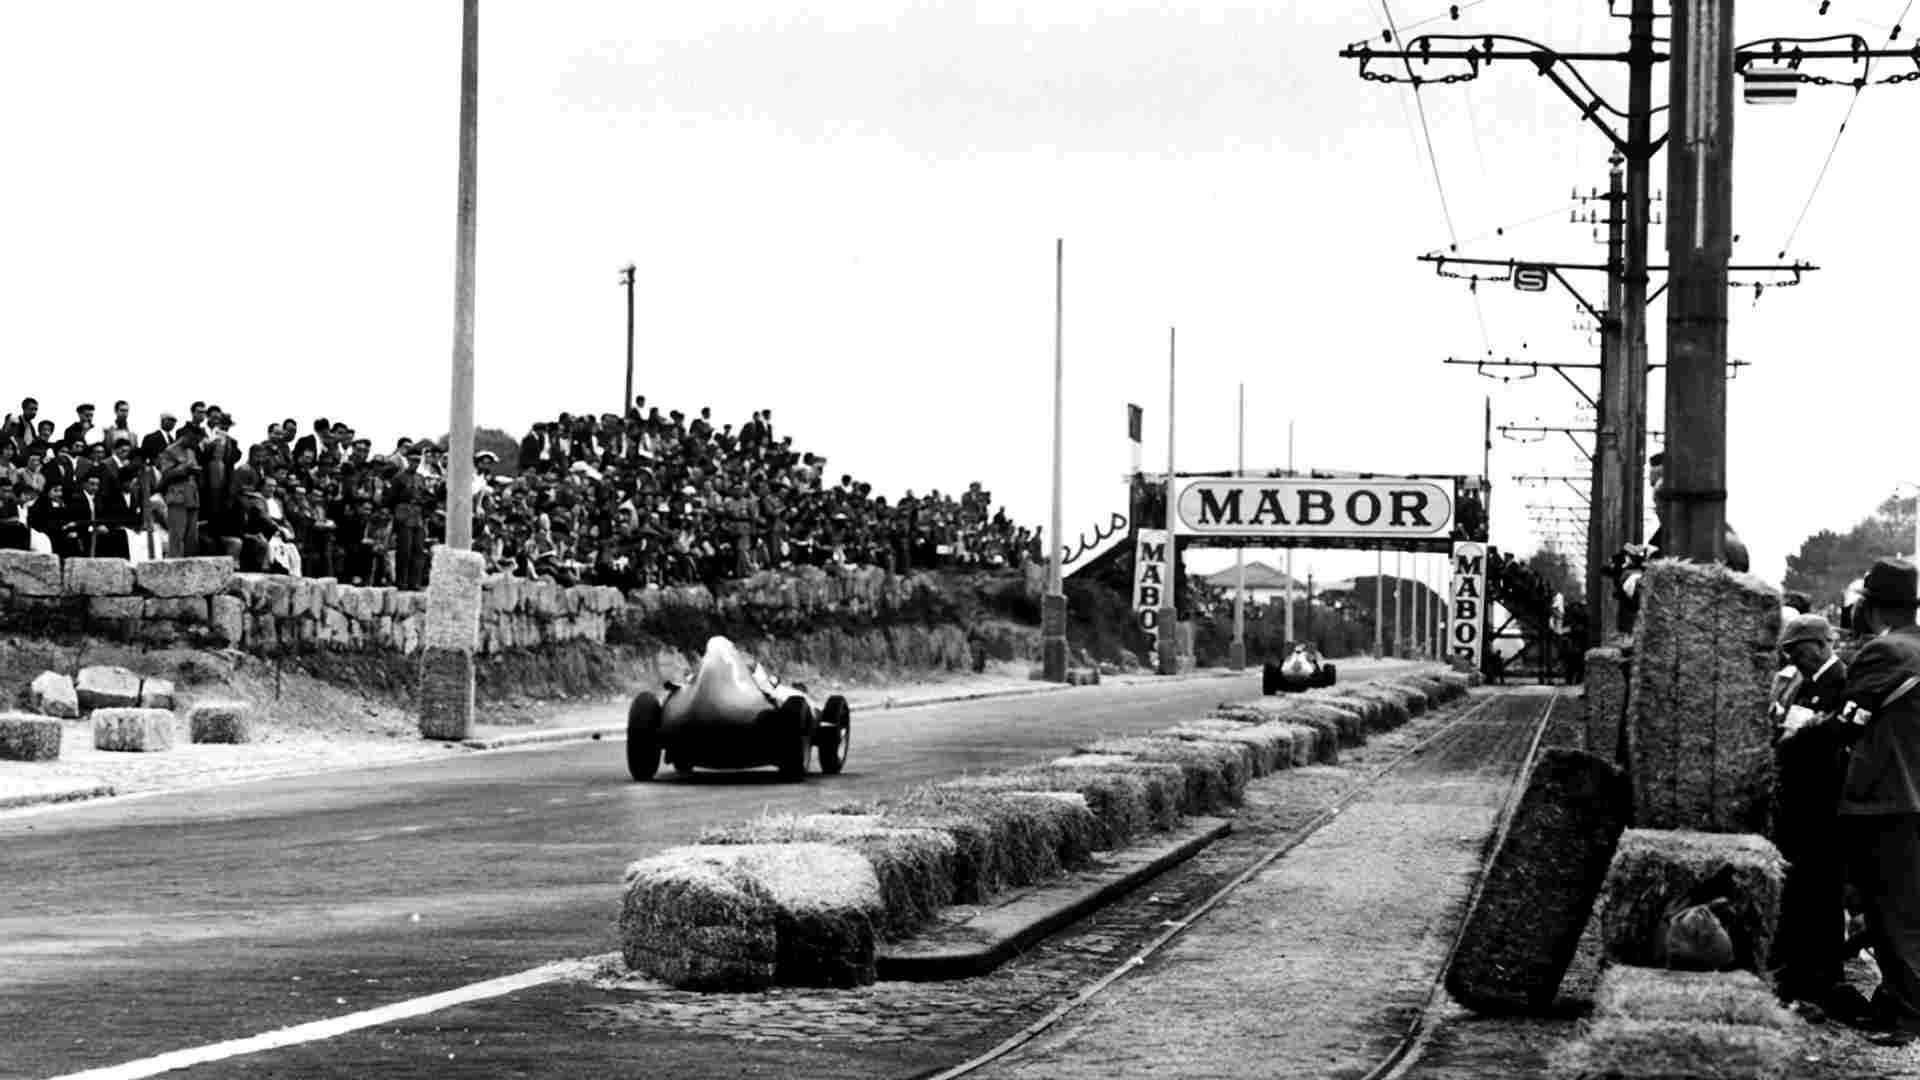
(334, 1027)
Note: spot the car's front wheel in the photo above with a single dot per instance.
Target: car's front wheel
(643, 736)
(795, 732)
(834, 735)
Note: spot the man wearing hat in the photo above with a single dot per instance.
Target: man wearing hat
(1810, 755)
(1880, 794)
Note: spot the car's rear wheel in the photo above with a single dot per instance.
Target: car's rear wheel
(1326, 674)
(643, 736)
(834, 735)
(795, 732)
(1269, 679)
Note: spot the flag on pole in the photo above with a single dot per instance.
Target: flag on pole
(1134, 416)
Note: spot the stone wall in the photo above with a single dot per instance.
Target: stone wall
(204, 603)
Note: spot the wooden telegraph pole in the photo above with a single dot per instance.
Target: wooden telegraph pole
(1699, 242)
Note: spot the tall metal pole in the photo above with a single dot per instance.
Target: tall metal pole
(1400, 635)
(1237, 653)
(1288, 615)
(1699, 242)
(1606, 513)
(1053, 606)
(1170, 611)
(460, 432)
(1379, 601)
(626, 278)
(1631, 416)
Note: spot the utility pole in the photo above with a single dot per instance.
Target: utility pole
(466, 216)
(1237, 652)
(452, 633)
(1379, 601)
(1170, 610)
(1053, 605)
(1699, 243)
(1287, 617)
(1631, 416)
(626, 278)
(1607, 522)
(1399, 635)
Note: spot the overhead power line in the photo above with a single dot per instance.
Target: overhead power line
(1859, 84)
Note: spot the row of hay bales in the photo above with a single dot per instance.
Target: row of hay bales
(806, 900)
(1660, 808)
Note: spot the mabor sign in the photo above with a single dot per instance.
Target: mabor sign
(1378, 508)
(1149, 567)
(1467, 613)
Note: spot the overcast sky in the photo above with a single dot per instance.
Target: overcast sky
(848, 215)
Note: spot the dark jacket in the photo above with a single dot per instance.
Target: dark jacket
(1883, 772)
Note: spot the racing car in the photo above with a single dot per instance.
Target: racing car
(734, 715)
(1303, 668)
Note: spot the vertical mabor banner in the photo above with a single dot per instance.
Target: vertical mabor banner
(1467, 612)
(1149, 567)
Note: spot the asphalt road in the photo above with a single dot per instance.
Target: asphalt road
(128, 929)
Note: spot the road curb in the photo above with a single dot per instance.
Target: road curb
(598, 731)
(997, 934)
(78, 793)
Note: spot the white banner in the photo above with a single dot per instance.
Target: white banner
(1149, 567)
(1306, 508)
(1467, 608)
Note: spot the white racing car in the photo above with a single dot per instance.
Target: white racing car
(1303, 668)
(735, 716)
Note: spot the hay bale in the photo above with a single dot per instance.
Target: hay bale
(747, 917)
(914, 867)
(1029, 837)
(1166, 782)
(1653, 871)
(1117, 797)
(1325, 723)
(1712, 997)
(132, 729)
(1699, 743)
(1269, 746)
(220, 722)
(1540, 888)
(1349, 716)
(1385, 712)
(1668, 1049)
(29, 738)
(1413, 696)
(1215, 774)
(1605, 697)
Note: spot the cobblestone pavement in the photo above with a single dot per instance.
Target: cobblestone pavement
(1317, 965)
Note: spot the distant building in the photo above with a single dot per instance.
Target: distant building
(1264, 583)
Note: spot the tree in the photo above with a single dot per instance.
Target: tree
(1555, 570)
(504, 447)
(1827, 560)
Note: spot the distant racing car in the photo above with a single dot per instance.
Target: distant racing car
(733, 715)
(1303, 668)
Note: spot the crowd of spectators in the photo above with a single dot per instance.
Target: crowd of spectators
(608, 500)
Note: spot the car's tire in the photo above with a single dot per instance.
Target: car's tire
(1326, 674)
(795, 734)
(834, 735)
(643, 736)
(1270, 679)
